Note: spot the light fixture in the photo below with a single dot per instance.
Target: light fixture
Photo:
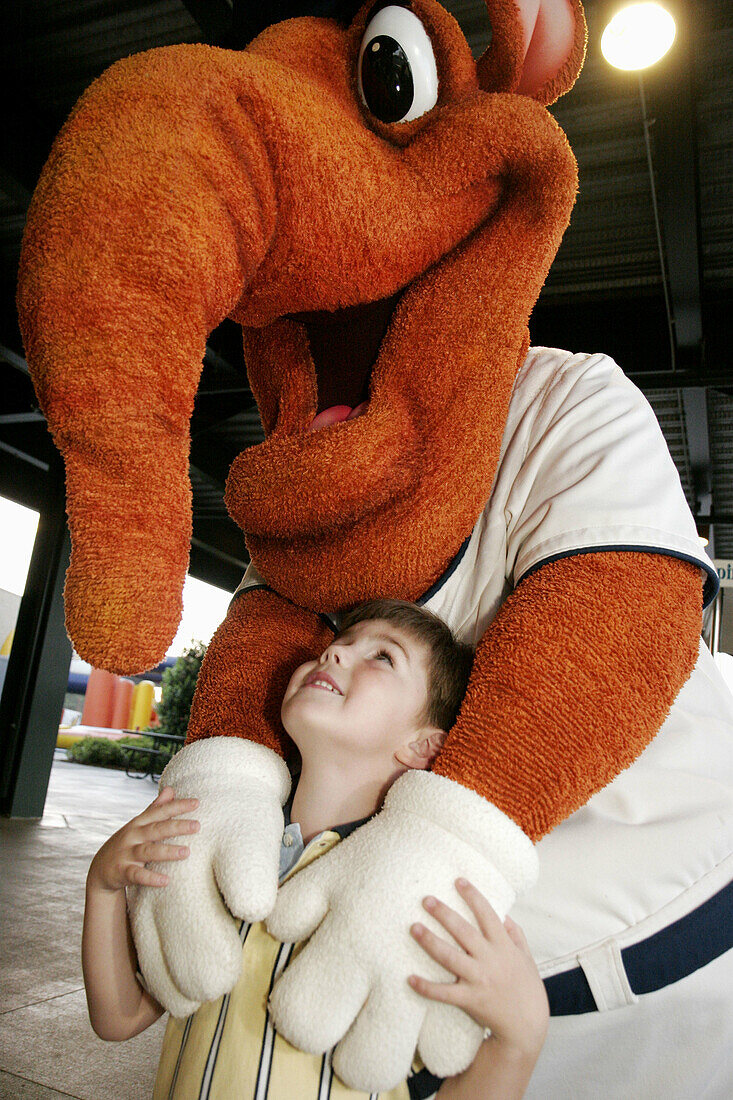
(637, 36)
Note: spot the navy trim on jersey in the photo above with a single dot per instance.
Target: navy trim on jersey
(423, 1084)
(712, 581)
(446, 575)
(668, 956)
(262, 587)
(432, 591)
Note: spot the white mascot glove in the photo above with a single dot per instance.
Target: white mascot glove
(187, 942)
(349, 982)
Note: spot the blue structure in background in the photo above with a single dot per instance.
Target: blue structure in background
(77, 684)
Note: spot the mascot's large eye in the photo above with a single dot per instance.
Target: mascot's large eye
(398, 77)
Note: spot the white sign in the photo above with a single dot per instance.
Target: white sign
(725, 571)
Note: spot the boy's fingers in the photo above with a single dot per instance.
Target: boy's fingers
(137, 875)
(450, 993)
(154, 853)
(458, 962)
(513, 928)
(462, 932)
(516, 935)
(486, 916)
(161, 811)
(161, 830)
(164, 796)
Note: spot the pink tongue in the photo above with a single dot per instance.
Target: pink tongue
(335, 414)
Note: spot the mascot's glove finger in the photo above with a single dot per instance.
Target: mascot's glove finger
(361, 899)
(187, 941)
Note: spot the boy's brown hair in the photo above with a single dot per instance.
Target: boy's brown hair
(450, 660)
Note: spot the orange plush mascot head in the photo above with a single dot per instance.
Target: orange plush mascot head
(380, 250)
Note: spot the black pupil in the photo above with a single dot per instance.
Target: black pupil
(386, 78)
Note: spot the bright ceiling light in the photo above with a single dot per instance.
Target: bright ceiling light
(638, 36)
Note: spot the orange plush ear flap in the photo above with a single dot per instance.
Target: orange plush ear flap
(537, 48)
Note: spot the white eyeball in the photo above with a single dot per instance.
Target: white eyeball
(398, 77)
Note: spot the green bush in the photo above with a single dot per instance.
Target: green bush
(174, 709)
(179, 684)
(104, 753)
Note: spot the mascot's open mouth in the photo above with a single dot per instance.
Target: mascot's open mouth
(344, 346)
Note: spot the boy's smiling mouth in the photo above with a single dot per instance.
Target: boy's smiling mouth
(322, 680)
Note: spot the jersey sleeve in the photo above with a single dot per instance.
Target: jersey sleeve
(252, 579)
(596, 474)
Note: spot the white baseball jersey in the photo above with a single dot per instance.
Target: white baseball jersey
(584, 467)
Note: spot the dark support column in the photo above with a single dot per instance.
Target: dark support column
(38, 667)
(672, 107)
(695, 407)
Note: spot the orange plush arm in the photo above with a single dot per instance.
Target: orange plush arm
(572, 680)
(247, 668)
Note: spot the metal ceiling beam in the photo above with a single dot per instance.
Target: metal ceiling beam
(33, 417)
(214, 17)
(218, 553)
(24, 456)
(222, 539)
(13, 359)
(648, 381)
(14, 188)
(211, 461)
(27, 132)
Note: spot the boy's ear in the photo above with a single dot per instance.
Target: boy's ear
(421, 752)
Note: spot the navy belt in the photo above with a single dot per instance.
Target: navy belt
(666, 957)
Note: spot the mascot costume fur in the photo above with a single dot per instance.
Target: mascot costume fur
(381, 226)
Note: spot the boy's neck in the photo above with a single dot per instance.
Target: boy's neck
(332, 795)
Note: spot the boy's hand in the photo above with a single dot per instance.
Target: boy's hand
(120, 862)
(187, 936)
(497, 984)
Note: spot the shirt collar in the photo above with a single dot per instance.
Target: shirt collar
(342, 830)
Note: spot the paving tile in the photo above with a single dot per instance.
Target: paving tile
(47, 1046)
(53, 821)
(17, 1088)
(52, 1044)
(87, 791)
(42, 876)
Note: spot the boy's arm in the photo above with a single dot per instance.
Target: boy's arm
(118, 1005)
(498, 1073)
(498, 985)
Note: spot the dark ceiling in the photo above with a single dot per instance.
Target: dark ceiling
(645, 271)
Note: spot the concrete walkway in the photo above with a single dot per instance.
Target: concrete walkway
(47, 1046)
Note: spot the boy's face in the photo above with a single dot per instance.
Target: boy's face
(367, 691)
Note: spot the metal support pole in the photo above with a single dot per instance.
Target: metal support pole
(38, 667)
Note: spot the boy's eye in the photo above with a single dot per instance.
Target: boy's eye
(383, 655)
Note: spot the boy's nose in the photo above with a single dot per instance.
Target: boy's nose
(333, 653)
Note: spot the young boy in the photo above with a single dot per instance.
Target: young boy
(378, 701)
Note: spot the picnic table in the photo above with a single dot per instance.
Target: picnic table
(154, 758)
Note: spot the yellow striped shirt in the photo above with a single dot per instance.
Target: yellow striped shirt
(229, 1049)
